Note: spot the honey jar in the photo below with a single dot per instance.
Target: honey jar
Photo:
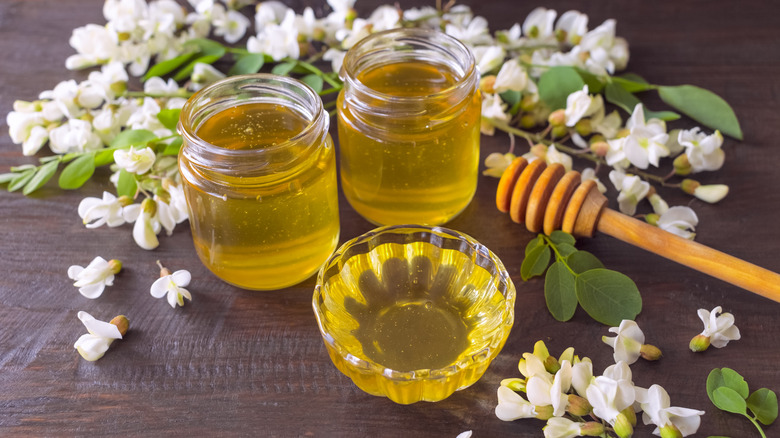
(408, 119)
(259, 175)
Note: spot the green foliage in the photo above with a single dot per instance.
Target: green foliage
(728, 391)
(41, 177)
(247, 64)
(127, 184)
(314, 81)
(578, 277)
(132, 137)
(703, 106)
(169, 118)
(78, 172)
(556, 84)
(621, 97)
(198, 50)
(167, 66)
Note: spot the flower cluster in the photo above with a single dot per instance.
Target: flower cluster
(564, 390)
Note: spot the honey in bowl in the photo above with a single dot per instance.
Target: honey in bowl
(413, 313)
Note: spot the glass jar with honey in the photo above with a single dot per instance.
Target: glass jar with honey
(259, 175)
(408, 119)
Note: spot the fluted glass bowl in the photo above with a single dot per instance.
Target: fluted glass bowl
(413, 312)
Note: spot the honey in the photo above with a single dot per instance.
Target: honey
(412, 321)
(409, 127)
(261, 187)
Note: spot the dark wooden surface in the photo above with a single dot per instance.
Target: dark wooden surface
(252, 363)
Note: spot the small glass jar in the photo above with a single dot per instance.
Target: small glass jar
(409, 117)
(259, 175)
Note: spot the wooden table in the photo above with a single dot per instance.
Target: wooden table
(234, 362)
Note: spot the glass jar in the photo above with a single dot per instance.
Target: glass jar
(408, 118)
(259, 175)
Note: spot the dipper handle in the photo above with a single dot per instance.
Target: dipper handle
(547, 198)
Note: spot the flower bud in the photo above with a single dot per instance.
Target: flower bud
(583, 127)
(561, 35)
(557, 118)
(596, 138)
(533, 32)
(600, 148)
(122, 323)
(625, 132)
(539, 150)
(630, 415)
(650, 352)
(670, 431)
(578, 406)
(699, 343)
(149, 205)
(318, 34)
(689, 186)
(711, 193)
(559, 131)
(591, 428)
(514, 384)
(118, 87)
(544, 412)
(622, 426)
(487, 84)
(682, 166)
(125, 200)
(527, 121)
(551, 365)
(528, 103)
(652, 219)
(115, 266)
(163, 270)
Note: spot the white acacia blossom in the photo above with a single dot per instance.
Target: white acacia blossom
(679, 220)
(93, 345)
(703, 151)
(632, 190)
(719, 328)
(511, 406)
(93, 279)
(173, 285)
(133, 160)
(628, 342)
(109, 210)
(496, 163)
(645, 143)
(657, 409)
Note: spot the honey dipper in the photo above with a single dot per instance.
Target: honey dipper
(548, 198)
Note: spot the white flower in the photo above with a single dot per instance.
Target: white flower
(553, 155)
(145, 117)
(147, 226)
(627, 343)
(511, 77)
(609, 397)
(720, 329)
(590, 173)
(492, 108)
(473, 31)
(703, 151)
(269, 12)
(384, 17)
(336, 58)
(571, 26)
(93, 279)
(158, 86)
(646, 142)
(542, 391)
(606, 53)
(21, 123)
(277, 40)
(93, 346)
(488, 57)
(606, 125)
(64, 97)
(657, 409)
(539, 23)
(497, 163)
(711, 193)
(110, 210)
(94, 45)
(581, 376)
(580, 104)
(178, 204)
(679, 220)
(464, 434)
(35, 141)
(135, 161)
(173, 285)
(511, 406)
(74, 136)
(619, 372)
(204, 74)
(632, 190)
(230, 25)
(559, 427)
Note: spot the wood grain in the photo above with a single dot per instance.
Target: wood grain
(240, 363)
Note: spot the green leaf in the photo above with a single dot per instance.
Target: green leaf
(104, 156)
(77, 172)
(127, 185)
(559, 291)
(666, 116)
(632, 86)
(704, 106)
(726, 399)
(185, 72)
(534, 243)
(633, 77)
(565, 250)
(167, 66)
(132, 137)
(173, 147)
(169, 118)
(627, 101)
(206, 46)
(314, 81)
(247, 64)
(511, 97)
(557, 237)
(42, 176)
(7, 177)
(556, 84)
(595, 86)
(763, 404)
(283, 69)
(608, 296)
(727, 378)
(535, 262)
(20, 179)
(582, 261)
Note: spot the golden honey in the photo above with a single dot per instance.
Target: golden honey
(416, 320)
(409, 117)
(259, 175)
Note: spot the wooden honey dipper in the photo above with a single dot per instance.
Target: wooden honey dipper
(548, 198)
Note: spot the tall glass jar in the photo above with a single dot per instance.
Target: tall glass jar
(259, 175)
(408, 118)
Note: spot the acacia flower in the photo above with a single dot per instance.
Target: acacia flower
(497, 163)
(711, 193)
(93, 345)
(703, 151)
(632, 190)
(172, 285)
(646, 142)
(492, 108)
(543, 392)
(511, 76)
(718, 330)
(204, 74)
(110, 210)
(93, 279)
(590, 173)
(147, 226)
(539, 23)
(135, 161)
(560, 427)
(74, 136)
(671, 420)
(609, 398)
(511, 406)
(629, 343)
(679, 220)
(571, 26)
(580, 104)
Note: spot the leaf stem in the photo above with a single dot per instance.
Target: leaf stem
(753, 420)
(316, 71)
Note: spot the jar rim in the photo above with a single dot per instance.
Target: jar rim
(349, 76)
(191, 110)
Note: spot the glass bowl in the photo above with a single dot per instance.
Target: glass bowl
(413, 312)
